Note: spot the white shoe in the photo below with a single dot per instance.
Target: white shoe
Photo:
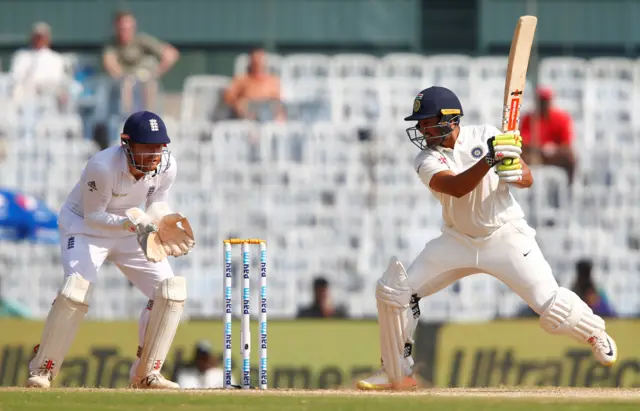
(380, 381)
(153, 381)
(39, 378)
(604, 349)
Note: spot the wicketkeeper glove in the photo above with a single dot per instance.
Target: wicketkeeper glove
(504, 146)
(171, 235)
(176, 234)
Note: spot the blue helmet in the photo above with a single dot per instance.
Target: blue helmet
(145, 128)
(438, 102)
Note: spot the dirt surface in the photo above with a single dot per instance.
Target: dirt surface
(541, 393)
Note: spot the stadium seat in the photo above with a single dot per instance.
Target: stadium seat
(302, 66)
(452, 71)
(202, 98)
(357, 101)
(307, 99)
(353, 66)
(404, 67)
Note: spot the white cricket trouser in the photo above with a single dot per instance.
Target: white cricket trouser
(85, 255)
(511, 254)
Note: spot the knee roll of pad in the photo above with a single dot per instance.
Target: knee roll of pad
(567, 314)
(393, 288)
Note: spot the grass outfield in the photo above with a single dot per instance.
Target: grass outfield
(18, 399)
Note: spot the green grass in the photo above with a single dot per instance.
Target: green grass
(67, 400)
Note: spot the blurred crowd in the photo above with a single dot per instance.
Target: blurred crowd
(129, 79)
(135, 62)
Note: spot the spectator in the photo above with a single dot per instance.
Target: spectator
(39, 70)
(133, 58)
(204, 371)
(547, 134)
(586, 289)
(322, 307)
(255, 95)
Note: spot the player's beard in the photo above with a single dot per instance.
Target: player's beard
(147, 162)
(437, 140)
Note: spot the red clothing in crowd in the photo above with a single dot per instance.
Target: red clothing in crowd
(556, 129)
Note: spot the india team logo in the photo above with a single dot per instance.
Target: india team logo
(416, 103)
(477, 152)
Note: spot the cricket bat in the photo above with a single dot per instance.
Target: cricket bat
(517, 71)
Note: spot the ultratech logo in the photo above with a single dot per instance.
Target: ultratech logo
(490, 367)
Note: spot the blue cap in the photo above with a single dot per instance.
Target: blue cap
(435, 101)
(145, 127)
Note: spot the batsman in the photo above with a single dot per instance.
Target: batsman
(101, 220)
(471, 170)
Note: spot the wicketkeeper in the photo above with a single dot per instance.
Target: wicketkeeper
(100, 221)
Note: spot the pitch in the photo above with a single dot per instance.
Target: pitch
(498, 399)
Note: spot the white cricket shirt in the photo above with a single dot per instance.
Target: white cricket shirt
(488, 206)
(97, 204)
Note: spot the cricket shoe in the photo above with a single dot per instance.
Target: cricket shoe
(604, 348)
(380, 381)
(154, 381)
(39, 378)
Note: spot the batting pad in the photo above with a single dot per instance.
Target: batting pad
(568, 314)
(391, 322)
(393, 297)
(168, 304)
(61, 326)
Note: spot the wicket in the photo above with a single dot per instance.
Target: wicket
(245, 333)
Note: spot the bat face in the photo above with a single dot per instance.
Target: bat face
(517, 71)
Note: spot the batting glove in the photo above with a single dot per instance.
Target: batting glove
(504, 146)
(509, 170)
